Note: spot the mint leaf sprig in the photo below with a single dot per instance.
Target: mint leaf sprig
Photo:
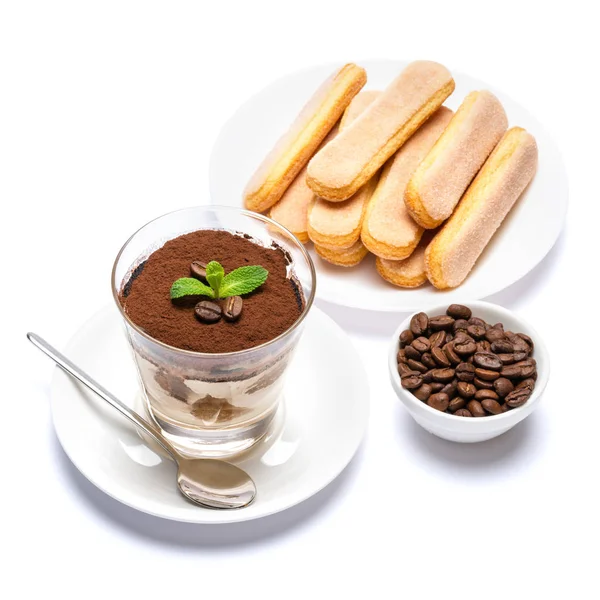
(237, 283)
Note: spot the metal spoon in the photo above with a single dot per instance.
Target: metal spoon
(205, 481)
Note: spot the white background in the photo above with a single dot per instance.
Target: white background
(108, 111)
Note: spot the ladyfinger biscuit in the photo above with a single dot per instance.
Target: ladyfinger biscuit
(345, 165)
(388, 230)
(347, 257)
(292, 210)
(407, 273)
(337, 224)
(502, 179)
(445, 173)
(298, 144)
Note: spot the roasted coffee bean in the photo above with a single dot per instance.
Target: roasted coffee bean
(419, 324)
(487, 360)
(512, 372)
(450, 388)
(404, 369)
(526, 383)
(427, 378)
(486, 395)
(499, 326)
(491, 406)
(477, 332)
(465, 371)
(470, 360)
(423, 392)
(439, 356)
(477, 321)
(441, 322)
(503, 387)
(428, 361)
(465, 389)
(232, 308)
(482, 384)
(483, 346)
(207, 312)
(464, 348)
(443, 375)
(461, 337)
(494, 335)
(435, 386)
(406, 338)
(415, 365)
(475, 408)
(412, 381)
(460, 325)
(462, 412)
(528, 367)
(449, 337)
(410, 352)
(452, 356)
(486, 374)
(438, 339)
(527, 340)
(456, 404)
(458, 311)
(505, 407)
(401, 356)
(438, 401)
(198, 270)
(421, 344)
(502, 347)
(519, 356)
(506, 359)
(518, 397)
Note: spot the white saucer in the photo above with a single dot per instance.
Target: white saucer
(524, 239)
(323, 422)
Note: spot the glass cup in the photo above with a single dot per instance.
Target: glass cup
(213, 404)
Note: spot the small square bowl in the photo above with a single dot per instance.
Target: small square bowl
(462, 429)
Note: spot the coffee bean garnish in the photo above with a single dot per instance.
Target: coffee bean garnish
(207, 312)
(459, 364)
(198, 270)
(232, 308)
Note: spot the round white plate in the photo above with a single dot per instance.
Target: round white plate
(525, 237)
(320, 427)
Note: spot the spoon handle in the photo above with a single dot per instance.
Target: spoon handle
(66, 365)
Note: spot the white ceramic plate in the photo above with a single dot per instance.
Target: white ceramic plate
(322, 424)
(525, 237)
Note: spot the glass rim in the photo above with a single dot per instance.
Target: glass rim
(240, 211)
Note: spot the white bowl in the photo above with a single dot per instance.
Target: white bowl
(461, 429)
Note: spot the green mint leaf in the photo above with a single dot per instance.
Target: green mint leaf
(214, 276)
(188, 286)
(242, 281)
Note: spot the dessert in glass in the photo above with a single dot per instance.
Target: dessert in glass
(212, 365)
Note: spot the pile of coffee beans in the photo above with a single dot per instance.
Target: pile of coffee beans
(459, 364)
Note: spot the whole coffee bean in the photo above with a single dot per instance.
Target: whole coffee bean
(439, 356)
(477, 321)
(503, 387)
(435, 386)
(506, 359)
(437, 339)
(428, 361)
(438, 401)
(494, 335)
(511, 372)
(450, 388)
(526, 383)
(462, 412)
(518, 397)
(412, 381)
(465, 389)
(207, 312)
(527, 340)
(443, 375)
(410, 352)
(499, 326)
(491, 406)
(232, 308)
(421, 344)
(464, 348)
(427, 378)
(476, 331)
(419, 324)
(484, 346)
(482, 384)
(441, 322)
(401, 356)
(475, 408)
(487, 360)
(423, 392)
(406, 338)
(486, 395)
(458, 311)
(486, 374)
(465, 371)
(404, 369)
(519, 344)
(456, 404)
(461, 337)
(198, 270)
(452, 356)
(502, 347)
(528, 367)
(415, 365)
(449, 337)
(460, 325)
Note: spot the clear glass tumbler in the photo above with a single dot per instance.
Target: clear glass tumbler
(213, 404)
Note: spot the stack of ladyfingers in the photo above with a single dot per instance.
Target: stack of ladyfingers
(396, 174)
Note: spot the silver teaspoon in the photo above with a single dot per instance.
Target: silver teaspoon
(205, 481)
